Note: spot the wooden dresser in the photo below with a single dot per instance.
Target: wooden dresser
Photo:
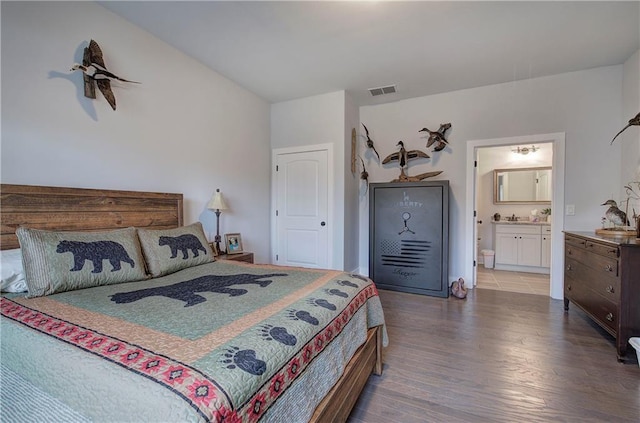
(602, 277)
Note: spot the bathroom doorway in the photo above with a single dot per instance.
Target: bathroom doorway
(480, 195)
(513, 184)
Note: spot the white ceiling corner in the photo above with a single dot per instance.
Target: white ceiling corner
(293, 49)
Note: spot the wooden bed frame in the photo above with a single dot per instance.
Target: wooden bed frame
(78, 209)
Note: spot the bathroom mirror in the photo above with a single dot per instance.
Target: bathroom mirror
(522, 186)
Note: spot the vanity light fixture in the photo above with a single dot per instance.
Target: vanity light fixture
(525, 150)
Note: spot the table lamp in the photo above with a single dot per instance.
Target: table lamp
(217, 203)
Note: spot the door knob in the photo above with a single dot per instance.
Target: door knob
(322, 223)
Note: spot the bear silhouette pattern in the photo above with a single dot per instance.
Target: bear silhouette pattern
(303, 315)
(347, 283)
(95, 252)
(321, 302)
(337, 292)
(245, 360)
(362, 278)
(183, 243)
(278, 333)
(186, 291)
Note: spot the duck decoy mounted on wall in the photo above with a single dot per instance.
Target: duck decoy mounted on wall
(364, 175)
(437, 137)
(370, 142)
(402, 157)
(632, 122)
(94, 68)
(615, 215)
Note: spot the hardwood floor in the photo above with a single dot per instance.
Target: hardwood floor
(496, 357)
(522, 282)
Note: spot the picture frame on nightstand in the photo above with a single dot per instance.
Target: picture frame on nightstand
(233, 241)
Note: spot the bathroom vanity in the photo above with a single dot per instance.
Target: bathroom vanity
(522, 246)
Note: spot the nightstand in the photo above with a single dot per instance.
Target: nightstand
(245, 257)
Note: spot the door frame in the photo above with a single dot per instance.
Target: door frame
(330, 193)
(557, 140)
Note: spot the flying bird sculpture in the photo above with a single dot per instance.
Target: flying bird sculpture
(370, 142)
(614, 214)
(364, 175)
(95, 69)
(403, 157)
(632, 122)
(437, 137)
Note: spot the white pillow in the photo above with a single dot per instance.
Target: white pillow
(12, 272)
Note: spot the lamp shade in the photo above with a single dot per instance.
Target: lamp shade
(217, 202)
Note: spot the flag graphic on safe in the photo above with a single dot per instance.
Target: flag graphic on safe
(404, 253)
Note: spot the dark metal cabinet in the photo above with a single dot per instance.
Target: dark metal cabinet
(409, 236)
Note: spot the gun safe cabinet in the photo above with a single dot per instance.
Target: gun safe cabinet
(409, 236)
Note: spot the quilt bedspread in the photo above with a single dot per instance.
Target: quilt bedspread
(227, 338)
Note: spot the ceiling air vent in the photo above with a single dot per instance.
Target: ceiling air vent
(390, 89)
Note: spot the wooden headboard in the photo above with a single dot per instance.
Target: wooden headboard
(78, 209)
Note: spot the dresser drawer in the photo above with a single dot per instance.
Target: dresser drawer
(601, 282)
(603, 311)
(602, 249)
(606, 266)
(591, 246)
(574, 241)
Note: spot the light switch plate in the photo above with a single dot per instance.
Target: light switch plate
(571, 210)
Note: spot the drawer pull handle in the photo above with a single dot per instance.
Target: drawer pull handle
(569, 251)
(608, 268)
(609, 317)
(568, 287)
(610, 289)
(569, 267)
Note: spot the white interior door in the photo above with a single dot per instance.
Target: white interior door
(302, 209)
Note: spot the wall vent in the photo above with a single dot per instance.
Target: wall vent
(389, 89)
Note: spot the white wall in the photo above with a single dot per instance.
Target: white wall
(351, 188)
(585, 105)
(630, 139)
(184, 129)
(318, 120)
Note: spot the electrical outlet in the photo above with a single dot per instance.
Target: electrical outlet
(571, 210)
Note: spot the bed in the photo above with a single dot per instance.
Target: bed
(212, 341)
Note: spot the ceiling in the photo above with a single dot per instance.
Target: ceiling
(287, 50)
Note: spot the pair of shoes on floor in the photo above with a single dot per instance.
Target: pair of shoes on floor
(458, 290)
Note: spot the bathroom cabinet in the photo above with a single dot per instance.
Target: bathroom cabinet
(521, 247)
(545, 257)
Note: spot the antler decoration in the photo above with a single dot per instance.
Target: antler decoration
(632, 122)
